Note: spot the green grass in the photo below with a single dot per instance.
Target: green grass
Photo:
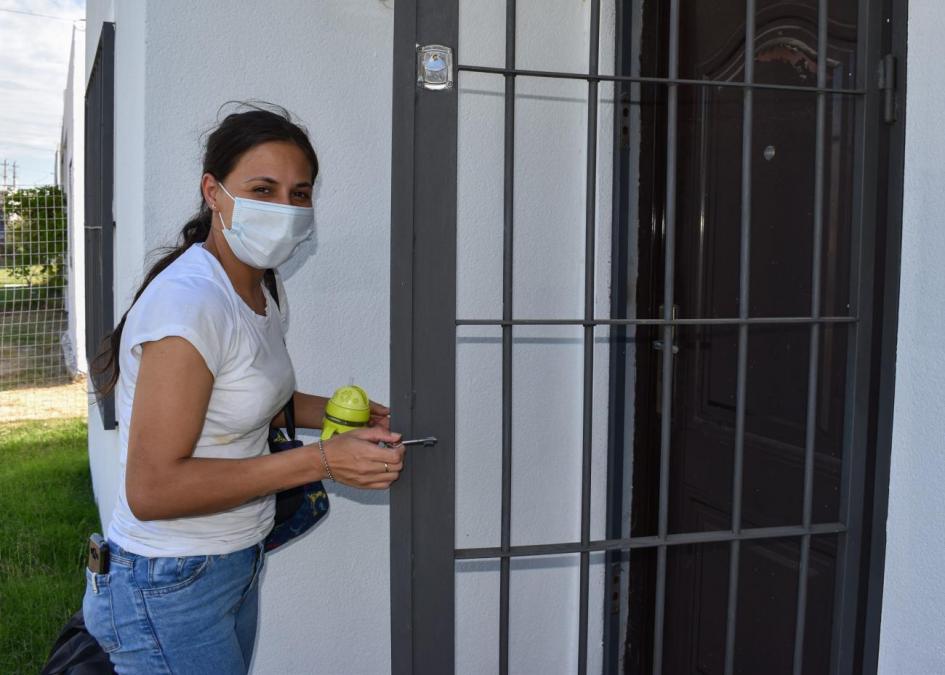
(47, 514)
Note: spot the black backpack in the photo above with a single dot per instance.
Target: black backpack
(76, 652)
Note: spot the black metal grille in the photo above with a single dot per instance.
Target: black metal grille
(425, 326)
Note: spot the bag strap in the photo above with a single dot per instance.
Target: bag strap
(289, 413)
(269, 278)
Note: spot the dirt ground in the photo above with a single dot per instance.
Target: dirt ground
(67, 400)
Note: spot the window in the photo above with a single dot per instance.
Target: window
(99, 221)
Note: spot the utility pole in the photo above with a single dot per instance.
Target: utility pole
(14, 175)
(4, 175)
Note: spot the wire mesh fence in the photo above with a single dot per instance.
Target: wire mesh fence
(39, 370)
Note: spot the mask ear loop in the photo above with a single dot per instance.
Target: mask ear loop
(223, 187)
(219, 212)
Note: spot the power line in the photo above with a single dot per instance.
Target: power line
(44, 16)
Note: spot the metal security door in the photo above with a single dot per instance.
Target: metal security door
(688, 438)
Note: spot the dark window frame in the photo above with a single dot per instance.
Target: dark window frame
(99, 219)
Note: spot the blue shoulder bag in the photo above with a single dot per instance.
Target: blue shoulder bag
(298, 509)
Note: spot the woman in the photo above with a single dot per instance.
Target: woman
(201, 372)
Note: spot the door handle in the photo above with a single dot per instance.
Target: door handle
(658, 346)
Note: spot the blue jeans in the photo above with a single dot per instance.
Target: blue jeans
(194, 614)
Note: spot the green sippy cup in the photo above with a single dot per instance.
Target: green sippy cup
(348, 408)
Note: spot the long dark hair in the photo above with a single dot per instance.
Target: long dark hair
(236, 134)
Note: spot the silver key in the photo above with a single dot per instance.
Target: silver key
(428, 442)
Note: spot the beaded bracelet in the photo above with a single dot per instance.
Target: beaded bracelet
(321, 449)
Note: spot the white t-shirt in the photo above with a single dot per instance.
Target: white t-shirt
(253, 378)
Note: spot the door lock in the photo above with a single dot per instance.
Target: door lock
(434, 67)
(674, 349)
(658, 344)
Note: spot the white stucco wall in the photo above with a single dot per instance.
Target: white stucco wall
(96, 11)
(329, 63)
(72, 178)
(913, 617)
(325, 600)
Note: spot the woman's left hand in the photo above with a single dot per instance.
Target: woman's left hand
(380, 416)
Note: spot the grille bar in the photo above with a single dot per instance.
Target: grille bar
(812, 376)
(507, 297)
(669, 271)
(634, 543)
(721, 321)
(741, 375)
(670, 81)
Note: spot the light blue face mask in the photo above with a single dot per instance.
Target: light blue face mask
(263, 234)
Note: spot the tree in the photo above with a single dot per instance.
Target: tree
(36, 234)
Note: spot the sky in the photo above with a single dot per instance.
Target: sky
(34, 62)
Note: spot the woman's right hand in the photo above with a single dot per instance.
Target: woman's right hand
(356, 459)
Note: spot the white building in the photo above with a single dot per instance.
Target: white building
(773, 479)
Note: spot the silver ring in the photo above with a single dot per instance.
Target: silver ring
(386, 468)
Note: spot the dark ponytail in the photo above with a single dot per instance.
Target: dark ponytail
(236, 134)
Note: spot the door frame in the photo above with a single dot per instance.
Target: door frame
(891, 155)
(423, 343)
